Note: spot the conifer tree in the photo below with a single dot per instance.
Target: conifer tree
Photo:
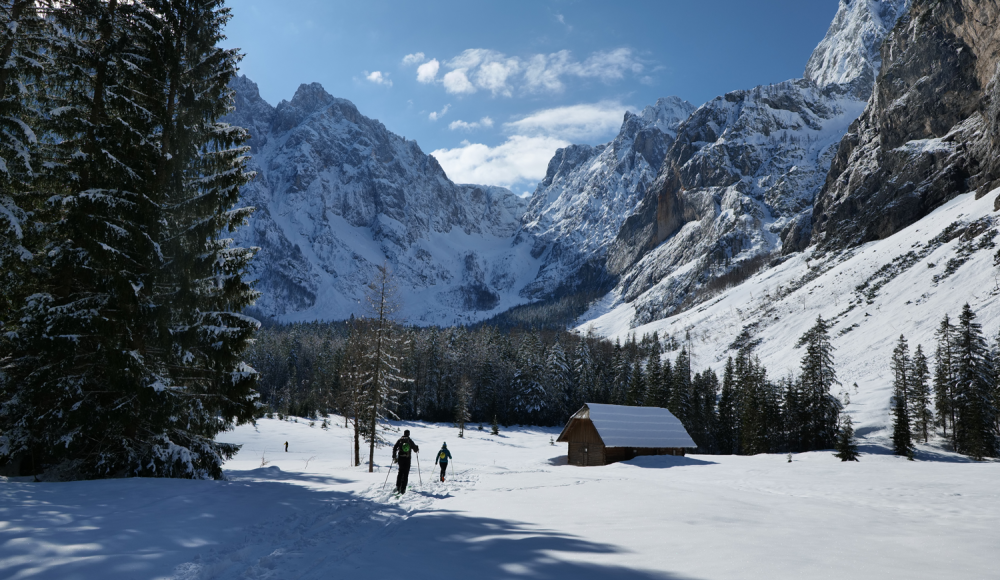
(680, 389)
(636, 386)
(531, 401)
(653, 376)
(919, 400)
(820, 408)
(728, 427)
(901, 365)
(847, 447)
(559, 378)
(128, 356)
(945, 367)
(976, 414)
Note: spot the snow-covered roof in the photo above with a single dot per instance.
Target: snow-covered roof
(621, 426)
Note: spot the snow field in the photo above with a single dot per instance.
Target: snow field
(510, 508)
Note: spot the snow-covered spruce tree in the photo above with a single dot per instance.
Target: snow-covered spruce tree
(636, 386)
(559, 378)
(531, 399)
(382, 367)
(25, 60)
(80, 349)
(705, 387)
(847, 447)
(919, 400)
(129, 356)
(976, 413)
(820, 408)
(901, 366)
(945, 367)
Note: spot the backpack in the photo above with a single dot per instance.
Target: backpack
(405, 449)
(442, 456)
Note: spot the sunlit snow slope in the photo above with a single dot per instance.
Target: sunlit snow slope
(872, 293)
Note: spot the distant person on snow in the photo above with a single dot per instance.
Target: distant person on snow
(401, 455)
(286, 446)
(442, 457)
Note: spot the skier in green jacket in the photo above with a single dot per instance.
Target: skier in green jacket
(442, 457)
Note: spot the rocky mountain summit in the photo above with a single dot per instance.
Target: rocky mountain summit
(576, 211)
(337, 195)
(737, 186)
(930, 131)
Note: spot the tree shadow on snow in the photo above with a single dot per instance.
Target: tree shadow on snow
(665, 461)
(146, 528)
(491, 549)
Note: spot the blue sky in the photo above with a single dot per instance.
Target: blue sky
(493, 88)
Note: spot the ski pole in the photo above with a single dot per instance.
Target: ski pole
(418, 469)
(387, 473)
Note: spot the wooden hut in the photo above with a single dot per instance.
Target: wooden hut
(601, 434)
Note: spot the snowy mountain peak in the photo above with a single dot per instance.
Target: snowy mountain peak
(850, 53)
(667, 114)
(338, 194)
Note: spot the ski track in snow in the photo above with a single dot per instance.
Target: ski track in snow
(510, 508)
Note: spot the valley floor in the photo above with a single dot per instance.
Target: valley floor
(510, 508)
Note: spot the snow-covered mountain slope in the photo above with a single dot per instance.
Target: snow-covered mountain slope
(737, 186)
(871, 293)
(337, 195)
(850, 53)
(931, 128)
(576, 211)
(510, 508)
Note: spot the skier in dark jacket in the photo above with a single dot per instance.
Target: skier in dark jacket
(442, 457)
(401, 455)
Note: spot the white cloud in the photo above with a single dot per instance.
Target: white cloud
(584, 122)
(434, 116)
(459, 124)
(518, 160)
(415, 58)
(482, 69)
(523, 158)
(457, 83)
(427, 72)
(562, 20)
(379, 78)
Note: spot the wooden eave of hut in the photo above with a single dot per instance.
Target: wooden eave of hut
(600, 434)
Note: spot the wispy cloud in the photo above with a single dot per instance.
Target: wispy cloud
(485, 122)
(434, 116)
(415, 58)
(480, 69)
(584, 122)
(379, 78)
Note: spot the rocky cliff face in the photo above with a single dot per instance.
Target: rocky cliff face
(337, 194)
(737, 186)
(931, 129)
(576, 211)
